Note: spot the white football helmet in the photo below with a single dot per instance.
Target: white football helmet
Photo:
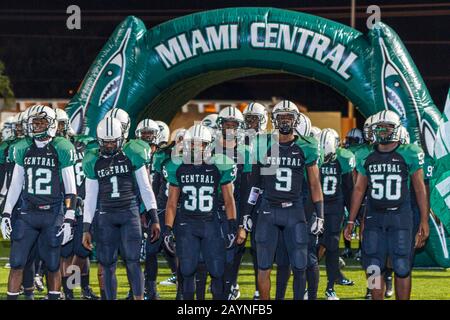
(61, 116)
(164, 133)
(285, 107)
(336, 136)
(231, 114)
(380, 122)
(18, 125)
(315, 132)
(200, 136)
(110, 129)
(404, 135)
(210, 121)
(42, 112)
(258, 110)
(123, 117)
(327, 142)
(367, 129)
(354, 136)
(304, 125)
(178, 135)
(148, 126)
(8, 130)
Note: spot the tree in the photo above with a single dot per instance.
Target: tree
(5, 88)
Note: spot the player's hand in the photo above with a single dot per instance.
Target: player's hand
(422, 235)
(66, 230)
(317, 226)
(87, 241)
(155, 231)
(232, 233)
(6, 226)
(169, 240)
(241, 236)
(247, 223)
(348, 231)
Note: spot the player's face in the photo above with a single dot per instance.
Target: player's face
(40, 125)
(384, 130)
(148, 136)
(252, 121)
(229, 129)
(61, 128)
(110, 146)
(19, 129)
(285, 123)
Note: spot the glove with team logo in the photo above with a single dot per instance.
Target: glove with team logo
(317, 225)
(66, 229)
(231, 235)
(247, 223)
(169, 240)
(6, 226)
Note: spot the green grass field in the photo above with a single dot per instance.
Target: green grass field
(427, 284)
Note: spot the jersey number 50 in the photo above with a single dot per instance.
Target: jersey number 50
(388, 187)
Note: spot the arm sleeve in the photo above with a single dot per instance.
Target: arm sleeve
(147, 195)
(90, 202)
(68, 176)
(253, 180)
(15, 188)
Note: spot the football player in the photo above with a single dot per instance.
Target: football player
(117, 179)
(7, 139)
(231, 125)
(164, 134)
(73, 253)
(281, 158)
(256, 119)
(336, 173)
(387, 170)
(194, 180)
(44, 168)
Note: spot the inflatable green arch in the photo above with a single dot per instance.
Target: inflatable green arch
(151, 73)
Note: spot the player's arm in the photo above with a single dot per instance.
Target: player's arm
(424, 207)
(70, 191)
(230, 209)
(315, 188)
(148, 197)
(250, 191)
(171, 206)
(359, 191)
(14, 191)
(90, 205)
(15, 188)
(171, 212)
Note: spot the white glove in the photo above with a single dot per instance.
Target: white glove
(6, 226)
(247, 223)
(66, 230)
(317, 226)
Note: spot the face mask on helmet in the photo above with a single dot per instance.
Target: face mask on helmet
(109, 136)
(195, 151)
(149, 135)
(42, 126)
(253, 122)
(385, 133)
(63, 128)
(285, 123)
(230, 129)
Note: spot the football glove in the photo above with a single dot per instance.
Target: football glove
(317, 226)
(6, 226)
(66, 231)
(247, 223)
(169, 240)
(231, 235)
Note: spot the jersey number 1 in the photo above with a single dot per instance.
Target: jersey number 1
(115, 187)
